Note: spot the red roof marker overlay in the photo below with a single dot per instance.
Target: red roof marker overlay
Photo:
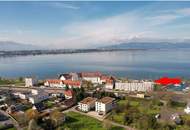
(168, 81)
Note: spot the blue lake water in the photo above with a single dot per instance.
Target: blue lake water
(133, 64)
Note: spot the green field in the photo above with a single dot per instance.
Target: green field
(4, 81)
(77, 121)
(136, 112)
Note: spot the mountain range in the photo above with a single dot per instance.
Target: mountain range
(15, 46)
(148, 45)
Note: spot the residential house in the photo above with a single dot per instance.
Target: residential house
(141, 86)
(29, 82)
(68, 94)
(38, 96)
(54, 83)
(72, 83)
(87, 104)
(104, 105)
(93, 77)
(69, 76)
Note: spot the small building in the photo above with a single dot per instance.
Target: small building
(69, 76)
(38, 96)
(109, 84)
(72, 83)
(187, 109)
(104, 105)
(68, 94)
(22, 95)
(65, 77)
(87, 104)
(93, 77)
(54, 83)
(30, 82)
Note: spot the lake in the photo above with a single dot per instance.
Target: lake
(137, 64)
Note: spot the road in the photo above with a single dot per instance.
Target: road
(15, 123)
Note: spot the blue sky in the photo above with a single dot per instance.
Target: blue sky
(92, 24)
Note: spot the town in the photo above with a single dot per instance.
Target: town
(117, 102)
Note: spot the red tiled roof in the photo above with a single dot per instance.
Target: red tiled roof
(68, 93)
(72, 83)
(54, 81)
(91, 74)
(109, 81)
(104, 77)
(168, 81)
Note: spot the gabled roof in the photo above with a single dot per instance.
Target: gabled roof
(67, 76)
(54, 81)
(72, 82)
(69, 93)
(91, 74)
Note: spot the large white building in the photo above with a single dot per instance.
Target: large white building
(135, 86)
(94, 77)
(104, 105)
(29, 82)
(87, 104)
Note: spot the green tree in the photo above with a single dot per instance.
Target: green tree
(33, 125)
(57, 118)
(32, 114)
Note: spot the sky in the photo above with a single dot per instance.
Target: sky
(93, 24)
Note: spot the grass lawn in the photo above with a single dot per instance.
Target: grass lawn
(144, 107)
(11, 81)
(77, 121)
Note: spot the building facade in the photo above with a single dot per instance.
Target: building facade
(134, 86)
(29, 82)
(94, 77)
(54, 83)
(87, 104)
(104, 105)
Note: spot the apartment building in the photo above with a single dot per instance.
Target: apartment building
(87, 104)
(104, 105)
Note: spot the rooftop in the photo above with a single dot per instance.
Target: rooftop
(72, 83)
(91, 74)
(106, 100)
(69, 93)
(55, 81)
(88, 100)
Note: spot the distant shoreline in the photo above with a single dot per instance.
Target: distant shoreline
(72, 51)
(58, 51)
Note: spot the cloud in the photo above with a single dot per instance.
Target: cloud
(184, 12)
(168, 16)
(64, 5)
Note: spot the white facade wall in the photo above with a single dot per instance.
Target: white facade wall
(54, 85)
(29, 82)
(101, 107)
(109, 86)
(142, 86)
(86, 107)
(93, 79)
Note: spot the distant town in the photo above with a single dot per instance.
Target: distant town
(112, 102)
